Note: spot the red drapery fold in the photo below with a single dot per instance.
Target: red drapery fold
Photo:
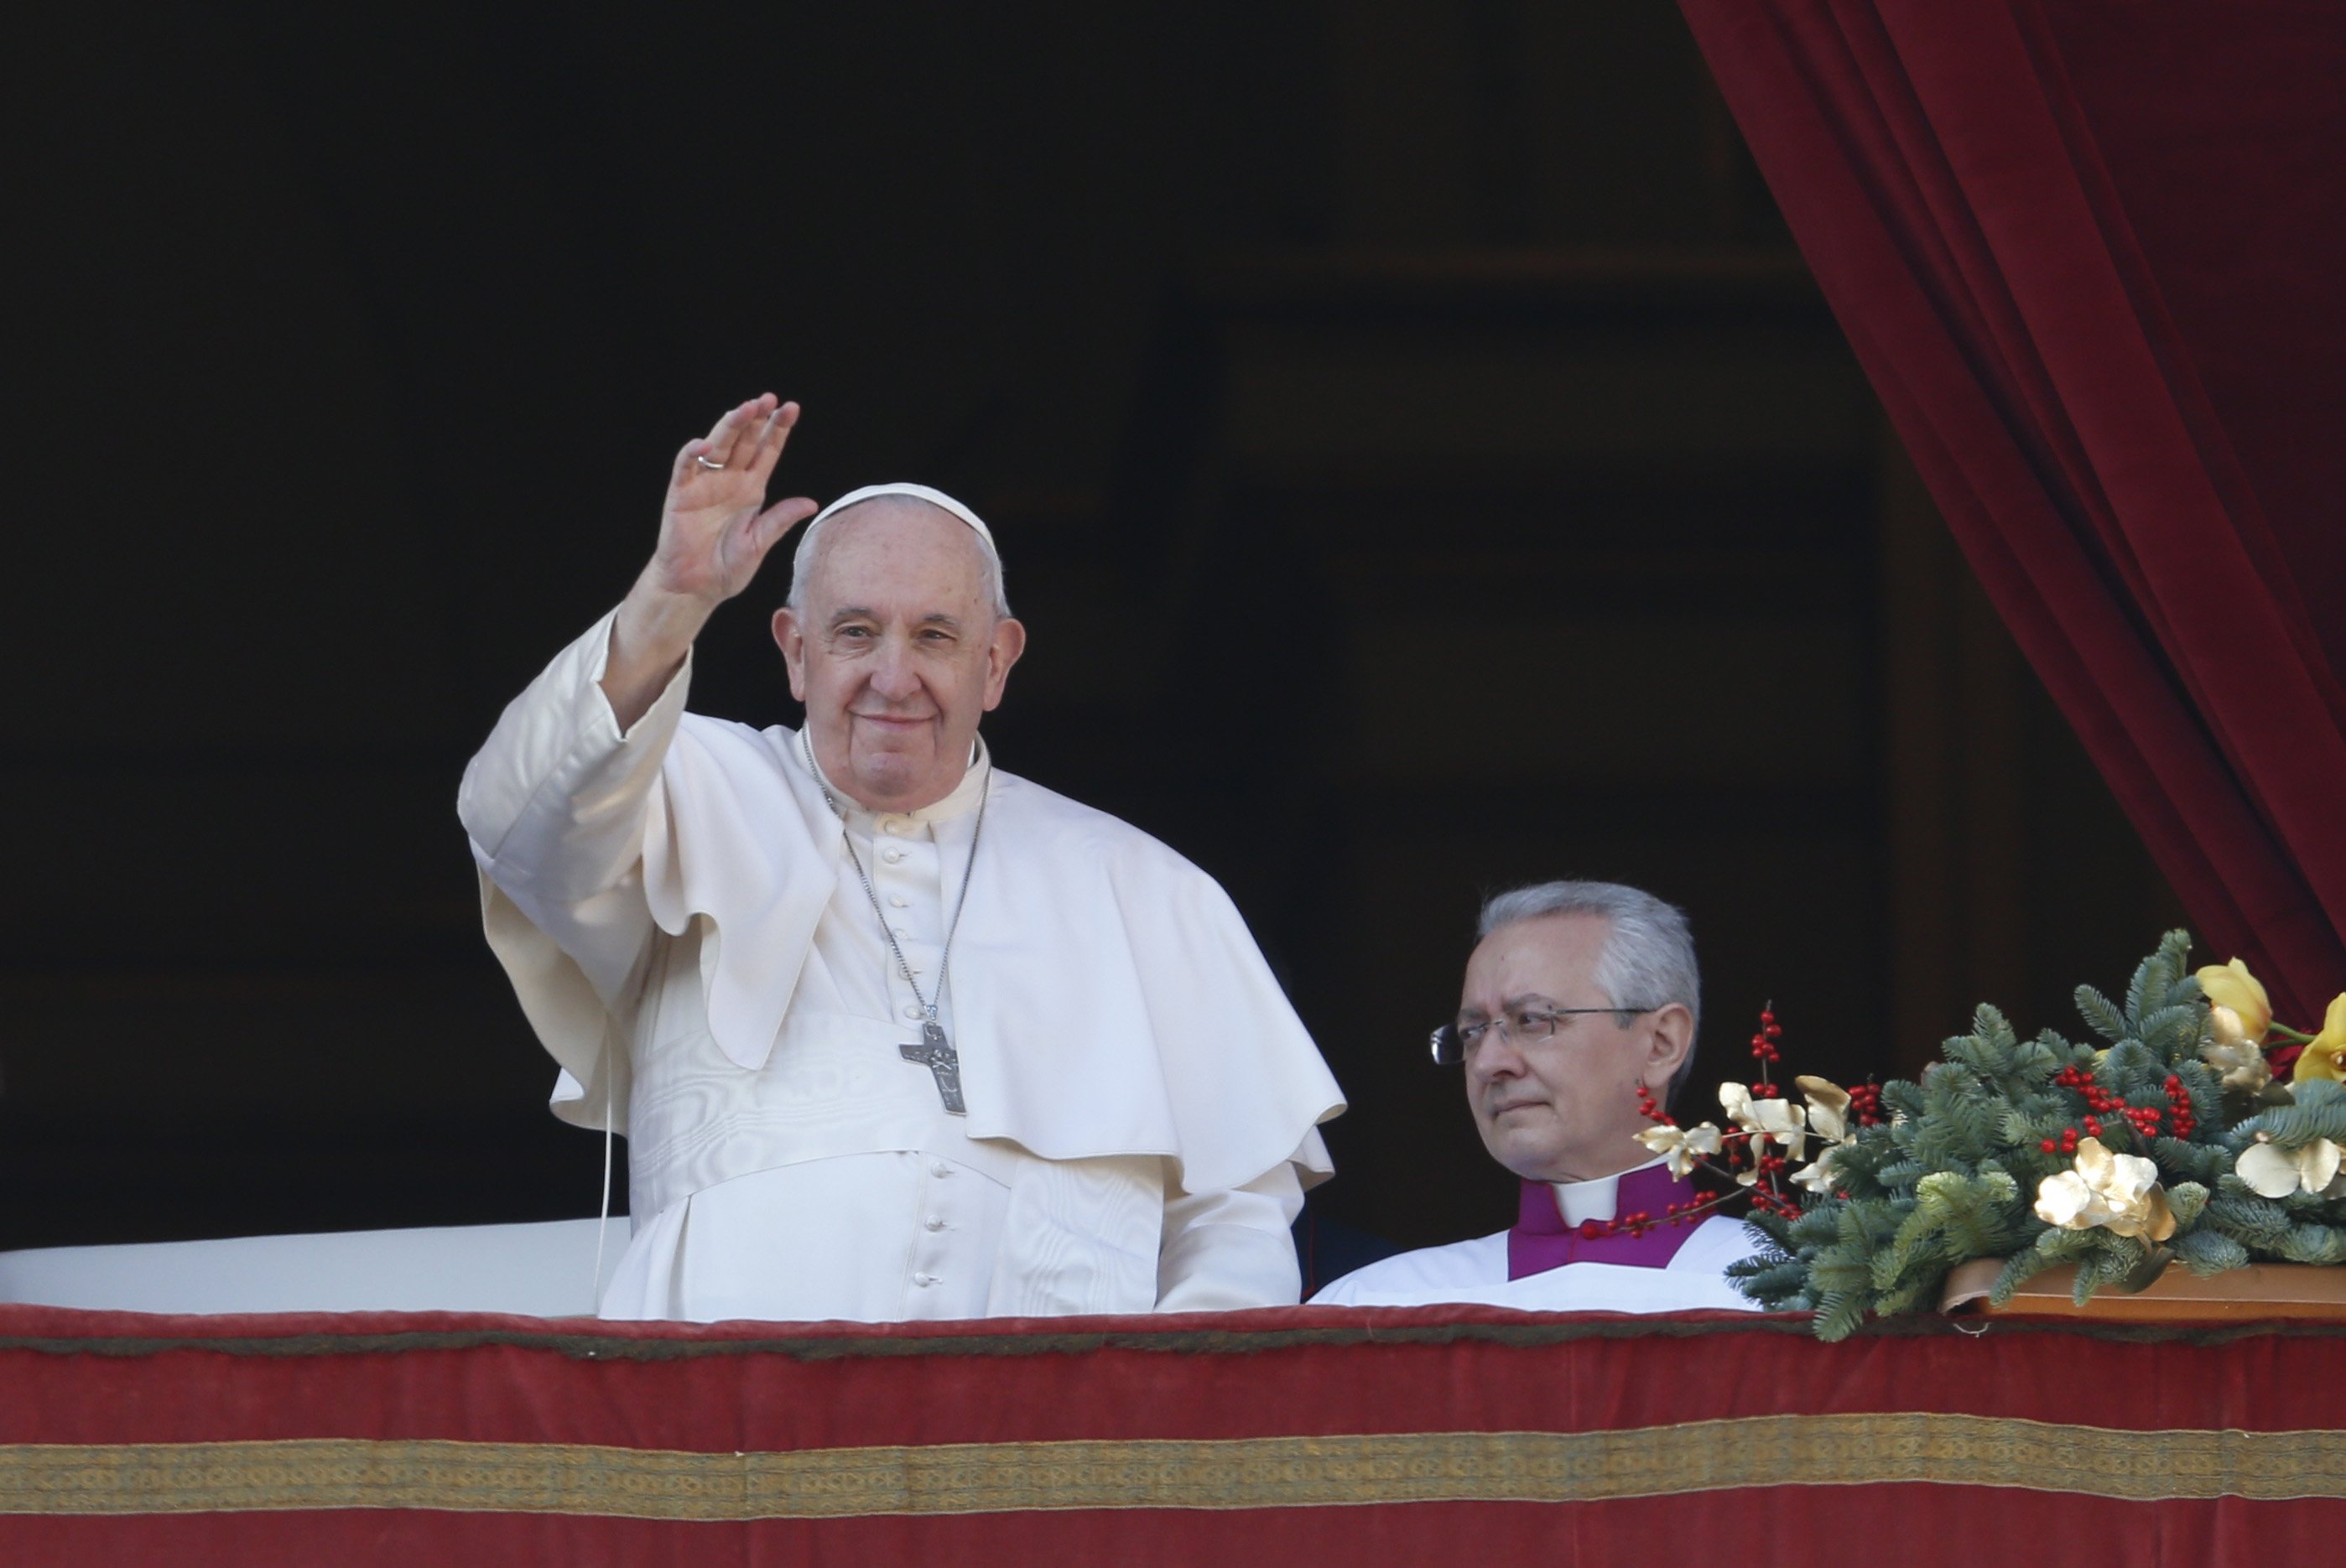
(2086, 254)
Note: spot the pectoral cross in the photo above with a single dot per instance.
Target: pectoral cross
(936, 1052)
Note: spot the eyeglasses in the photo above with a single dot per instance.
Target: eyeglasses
(1452, 1041)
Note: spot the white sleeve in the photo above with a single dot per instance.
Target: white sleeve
(1232, 1247)
(556, 805)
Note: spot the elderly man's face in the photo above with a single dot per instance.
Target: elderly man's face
(1564, 1108)
(897, 652)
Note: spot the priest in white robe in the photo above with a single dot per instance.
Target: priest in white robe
(892, 1033)
(1577, 995)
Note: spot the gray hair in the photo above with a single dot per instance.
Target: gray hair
(1648, 958)
(802, 564)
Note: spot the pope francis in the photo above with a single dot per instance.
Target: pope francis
(892, 1033)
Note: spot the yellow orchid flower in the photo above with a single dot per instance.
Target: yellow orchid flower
(2320, 1057)
(2231, 985)
(2276, 1173)
(1684, 1147)
(2119, 1193)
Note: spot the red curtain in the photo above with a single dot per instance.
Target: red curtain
(2089, 255)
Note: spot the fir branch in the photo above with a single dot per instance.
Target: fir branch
(2319, 1112)
(2018, 1270)
(1838, 1315)
(2207, 1252)
(1899, 1173)
(2058, 1246)
(1921, 1291)
(2236, 1212)
(2101, 1015)
(2138, 1001)
(2193, 1161)
(2312, 1243)
(2173, 1034)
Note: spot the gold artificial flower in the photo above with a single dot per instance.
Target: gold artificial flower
(2274, 1172)
(1817, 1174)
(2239, 1061)
(2119, 1193)
(1827, 1108)
(1772, 1119)
(2320, 1057)
(1684, 1147)
(2231, 985)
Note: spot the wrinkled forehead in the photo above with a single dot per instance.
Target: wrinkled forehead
(896, 541)
(1551, 957)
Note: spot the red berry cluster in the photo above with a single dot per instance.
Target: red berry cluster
(1765, 1200)
(1635, 1224)
(1650, 1111)
(1765, 1051)
(2178, 1107)
(2101, 1104)
(1865, 1105)
(2097, 1099)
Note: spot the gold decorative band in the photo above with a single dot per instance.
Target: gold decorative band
(1243, 1472)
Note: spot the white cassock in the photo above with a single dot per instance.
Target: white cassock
(1475, 1272)
(675, 910)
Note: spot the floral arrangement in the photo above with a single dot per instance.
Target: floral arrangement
(1769, 1133)
(2202, 1133)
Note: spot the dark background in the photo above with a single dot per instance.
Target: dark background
(1418, 452)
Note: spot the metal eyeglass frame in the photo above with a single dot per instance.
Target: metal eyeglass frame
(1450, 1047)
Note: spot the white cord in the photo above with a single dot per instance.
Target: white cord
(603, 1221)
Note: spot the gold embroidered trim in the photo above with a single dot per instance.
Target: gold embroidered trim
(1232, 1473)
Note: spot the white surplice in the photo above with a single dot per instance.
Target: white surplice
(675, 909)
(1475, 1272)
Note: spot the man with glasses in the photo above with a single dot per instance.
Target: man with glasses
(1580, 1002)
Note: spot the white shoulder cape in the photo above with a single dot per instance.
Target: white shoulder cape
(1107, 997)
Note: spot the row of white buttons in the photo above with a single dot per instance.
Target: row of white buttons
(941, 1170)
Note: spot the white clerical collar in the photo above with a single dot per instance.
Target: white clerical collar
(1595, 1198)
(964, 799)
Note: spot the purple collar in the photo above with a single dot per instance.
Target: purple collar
(1541, 1240)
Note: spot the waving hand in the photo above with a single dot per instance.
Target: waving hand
(714, 530)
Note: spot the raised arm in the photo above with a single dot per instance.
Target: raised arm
(556, 800)
(714, 530)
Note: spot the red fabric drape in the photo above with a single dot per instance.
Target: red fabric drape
(2088, 255)
(1448, 1434)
